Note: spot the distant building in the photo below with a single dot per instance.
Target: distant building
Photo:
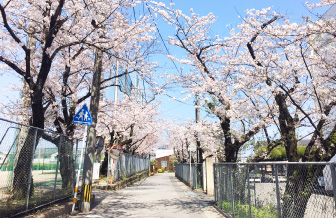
(303, 142)
(45, 156)
(165, 163)
(2, 158)
(163, 152)
(330, 13)
(129, 84)
(52, 159)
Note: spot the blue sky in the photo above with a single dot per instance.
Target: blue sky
(226, 12)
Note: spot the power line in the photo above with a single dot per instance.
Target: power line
(150, 12)
(177, 99)
(157, 28)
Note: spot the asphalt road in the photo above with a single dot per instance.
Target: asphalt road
(159, 196)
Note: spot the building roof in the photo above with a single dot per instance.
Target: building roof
(330, 13)
(164, 152)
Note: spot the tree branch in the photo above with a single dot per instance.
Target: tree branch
(10, 31)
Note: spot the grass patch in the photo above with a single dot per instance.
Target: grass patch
(42, 195)
(242, 210)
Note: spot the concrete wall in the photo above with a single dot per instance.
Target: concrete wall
(204, 177)
(209, 176)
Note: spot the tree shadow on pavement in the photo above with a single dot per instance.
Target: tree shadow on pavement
(98, 199)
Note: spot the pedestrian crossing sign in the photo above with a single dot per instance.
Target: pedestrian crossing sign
(83, 117)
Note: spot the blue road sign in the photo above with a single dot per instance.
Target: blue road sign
(83, 117)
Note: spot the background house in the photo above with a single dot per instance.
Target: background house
(166, 163)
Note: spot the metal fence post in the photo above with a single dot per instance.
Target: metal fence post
(195, 176)
(254, 186)
(215, 182)
(31, 168)
(333, 178)
(57, 164)
(232, 193)
(220, 186)
(277, 189)
(108, 170)
(249, 189)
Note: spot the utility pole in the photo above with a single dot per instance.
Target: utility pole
(91, 140)
(116, 84)
(198, 143)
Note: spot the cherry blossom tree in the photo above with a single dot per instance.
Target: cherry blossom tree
(114, 33)
(57, 32)
(180, 137)
(135, 126)
(264, 70)
(215, 76)
(269, 69)
(296, 62)
(321, 3)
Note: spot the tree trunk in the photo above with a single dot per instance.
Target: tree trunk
(231, 153)
(230, 150)
(103, 169)
(66, 162)
(91, 139)
(37, 109)
(301, 180)
(22, 167)
(25, 157)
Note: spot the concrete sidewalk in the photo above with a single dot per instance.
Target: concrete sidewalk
(159, 196)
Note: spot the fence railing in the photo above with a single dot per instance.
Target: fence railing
(182, 172)
(127, 165)
(298, 190)
(37, 167)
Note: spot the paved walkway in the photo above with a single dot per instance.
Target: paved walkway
(159, 196)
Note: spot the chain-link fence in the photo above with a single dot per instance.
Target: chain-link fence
(37, 167)
(266, 190)
(127, 165)
(182, 172)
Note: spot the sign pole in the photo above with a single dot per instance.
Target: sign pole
(112, 172)
(149, 172)
(82, 117)
(79, 168)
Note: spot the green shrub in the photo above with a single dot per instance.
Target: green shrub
(279, 153)
(160, 170)
(226, 206)
(301, 150)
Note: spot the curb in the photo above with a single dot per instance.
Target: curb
(122, 184)
(226, 215)
(63, 208)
